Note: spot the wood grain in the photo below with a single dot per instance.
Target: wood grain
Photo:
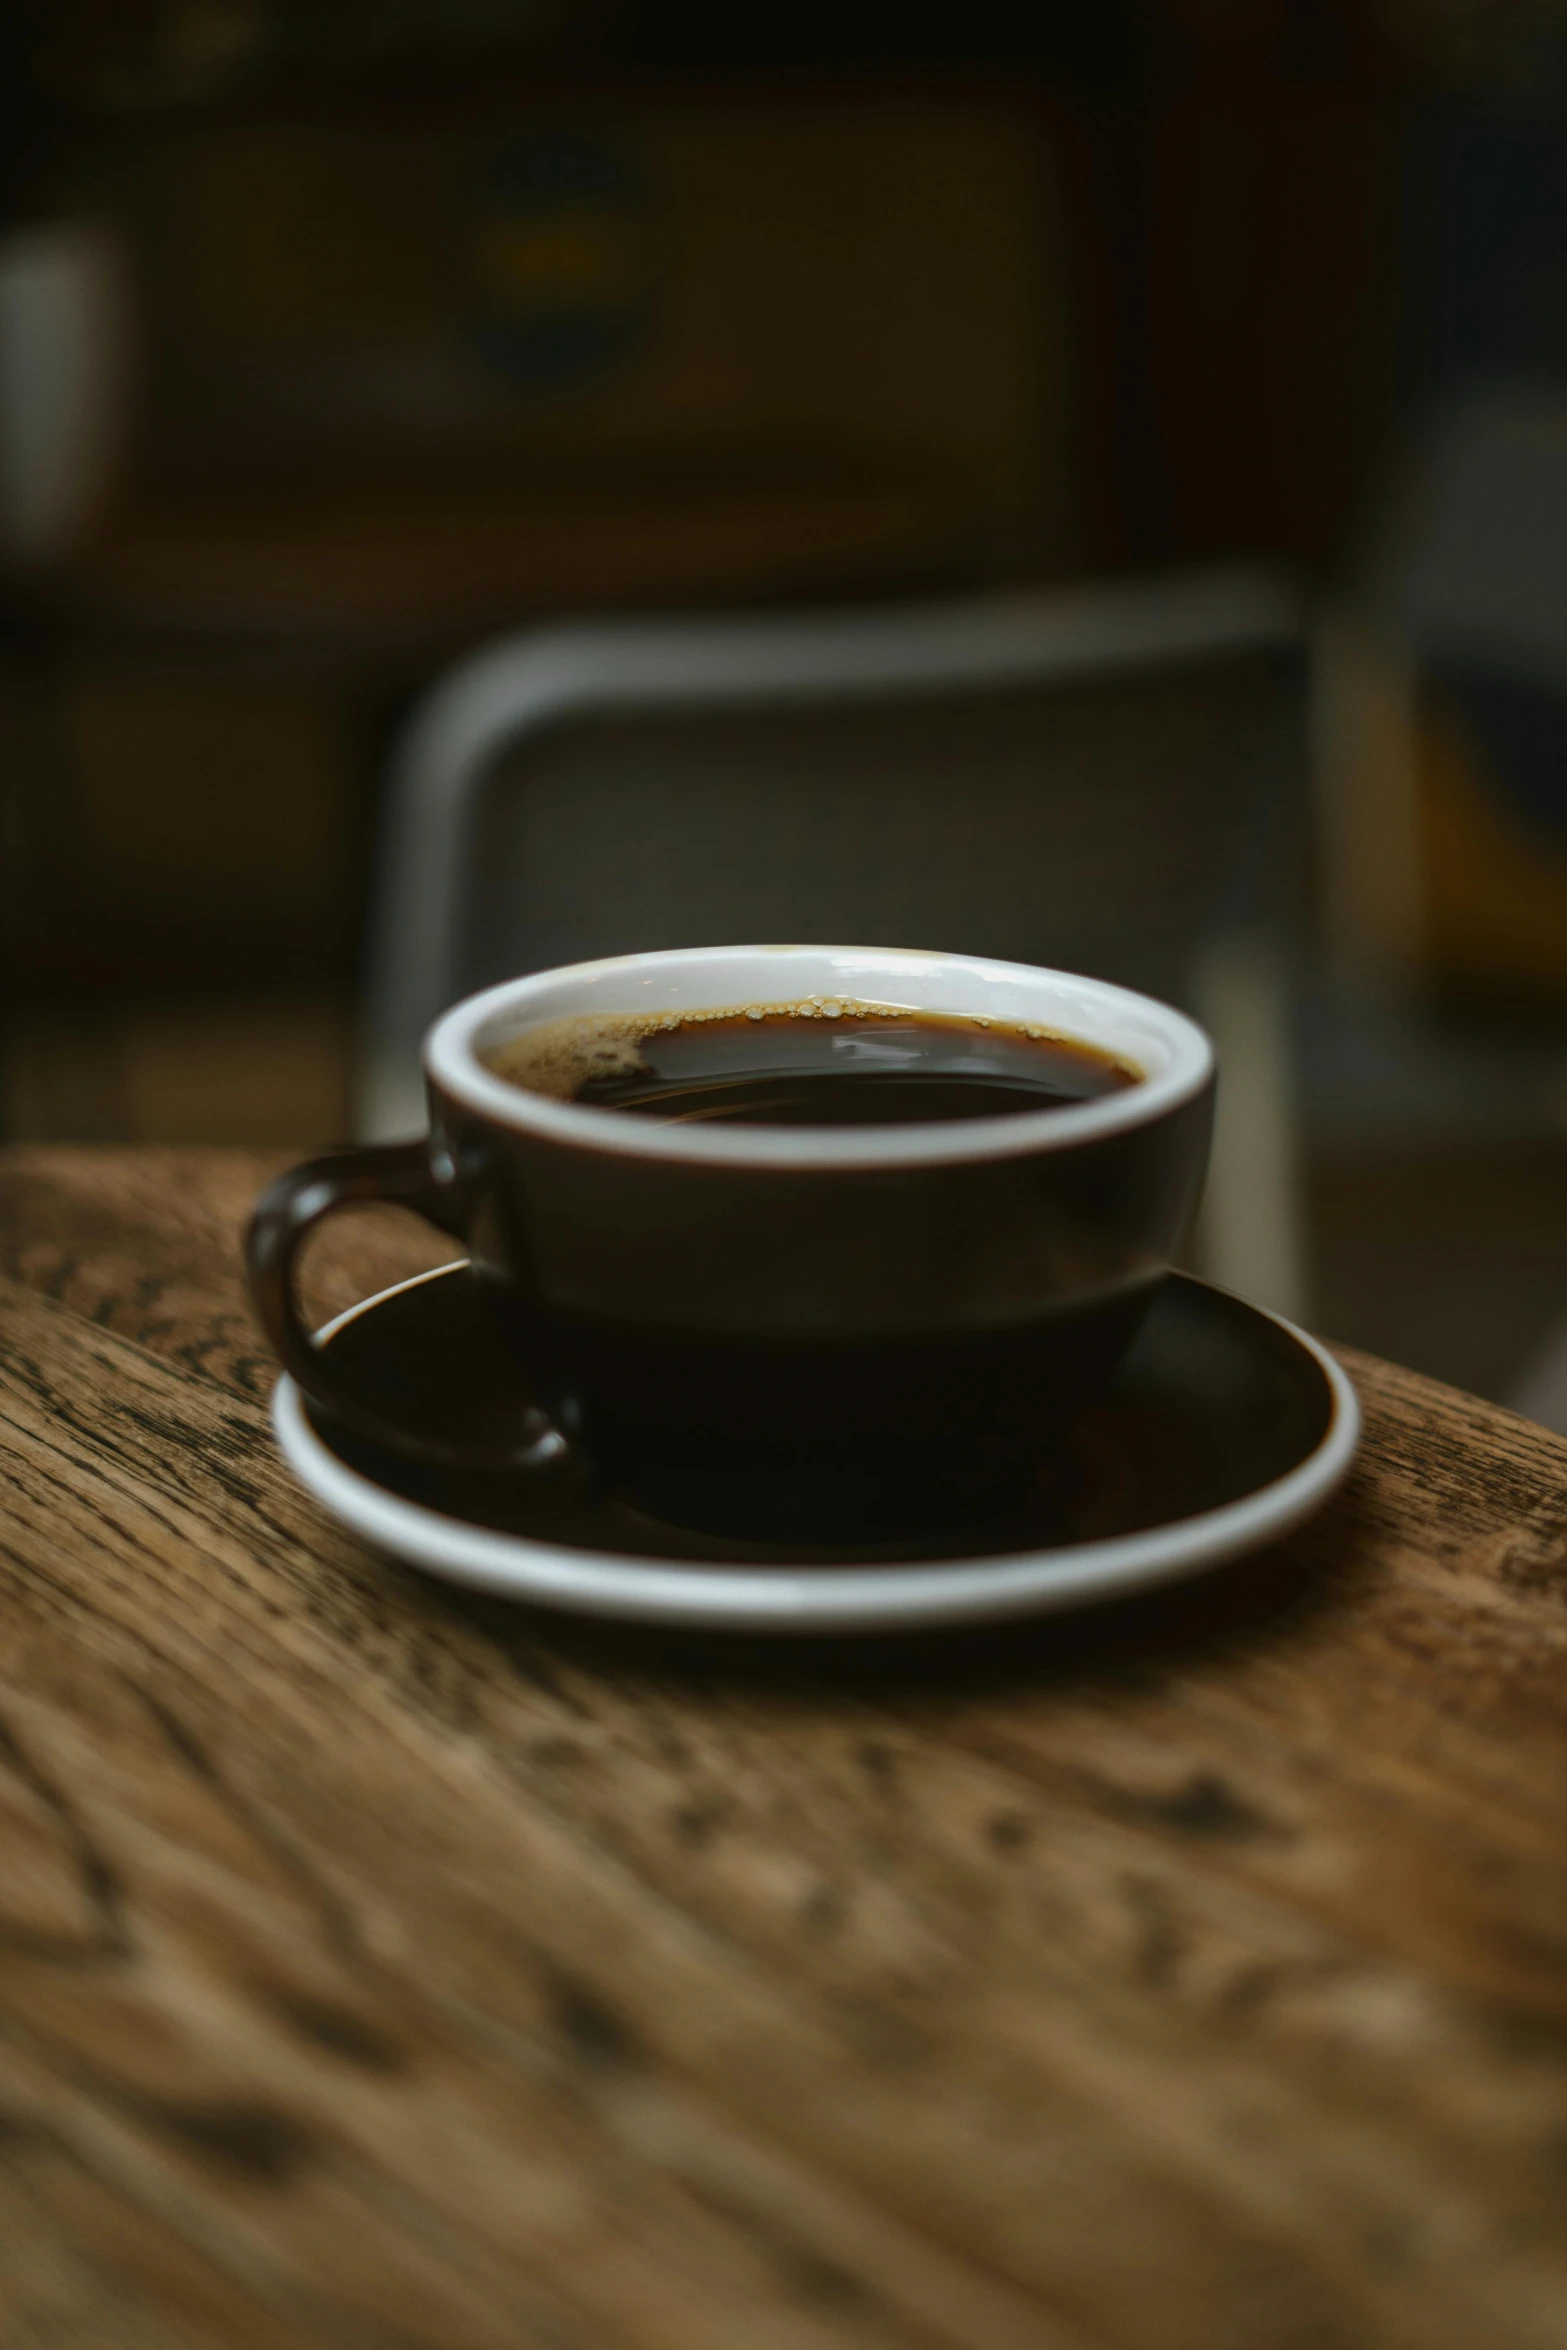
(384, 1966)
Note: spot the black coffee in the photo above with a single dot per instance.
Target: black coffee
(848, 1067)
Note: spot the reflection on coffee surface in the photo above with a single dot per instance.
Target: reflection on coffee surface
(828, 1064)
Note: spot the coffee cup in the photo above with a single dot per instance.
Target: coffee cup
(795, 1332)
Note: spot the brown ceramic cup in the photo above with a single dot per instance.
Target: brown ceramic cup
(787, 1332)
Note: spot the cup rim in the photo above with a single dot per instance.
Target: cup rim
(1093, 1011)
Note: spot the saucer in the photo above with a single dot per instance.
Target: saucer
(1224, 1428)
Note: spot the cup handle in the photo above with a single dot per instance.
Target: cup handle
(417, 1175)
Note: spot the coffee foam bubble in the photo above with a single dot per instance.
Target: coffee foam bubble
(559, 1057)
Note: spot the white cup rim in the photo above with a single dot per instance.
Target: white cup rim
(1173, 1053)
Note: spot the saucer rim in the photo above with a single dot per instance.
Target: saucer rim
(921, 1594)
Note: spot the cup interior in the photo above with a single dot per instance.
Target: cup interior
(1170, 1053)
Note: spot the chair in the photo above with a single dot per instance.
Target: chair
(1087, 779)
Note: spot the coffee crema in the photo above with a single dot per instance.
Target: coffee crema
(832, 1062)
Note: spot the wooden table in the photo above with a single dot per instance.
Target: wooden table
(382, 1968)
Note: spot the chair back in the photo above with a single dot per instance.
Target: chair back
(1081, 782)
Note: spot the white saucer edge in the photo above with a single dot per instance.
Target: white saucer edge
(920, 1595)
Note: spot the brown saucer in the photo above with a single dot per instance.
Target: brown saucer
(1223, 1427)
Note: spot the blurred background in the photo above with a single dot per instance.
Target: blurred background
(488, 480)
